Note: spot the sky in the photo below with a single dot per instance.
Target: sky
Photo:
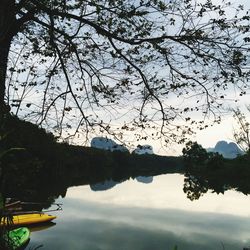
(210, 136)
(207, 138)
(223, 131)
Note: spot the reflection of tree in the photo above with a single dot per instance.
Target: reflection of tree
(194, 187)
(197, 184)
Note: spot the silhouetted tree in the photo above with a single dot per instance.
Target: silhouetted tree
(194, 154)
(242, 134)
(88, 58)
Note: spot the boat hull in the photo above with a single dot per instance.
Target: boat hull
(18, 237)
(28, 219)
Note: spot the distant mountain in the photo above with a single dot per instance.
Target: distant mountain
(143, 149)
(228, 150)
(107, 144)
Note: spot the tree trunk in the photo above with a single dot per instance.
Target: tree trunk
(7, 27)
(4, 52)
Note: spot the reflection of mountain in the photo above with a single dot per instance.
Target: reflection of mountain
(228, 150)
(145, 179)
(101, 186)
(107, 144)
(108, 184)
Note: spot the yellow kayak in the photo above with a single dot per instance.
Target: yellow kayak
(27, 219)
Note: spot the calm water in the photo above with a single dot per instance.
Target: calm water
(146, 213)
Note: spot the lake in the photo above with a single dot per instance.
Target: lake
(145, 213)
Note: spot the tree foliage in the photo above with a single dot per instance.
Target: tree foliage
(197, 157)
(194, 154)
(122, 65)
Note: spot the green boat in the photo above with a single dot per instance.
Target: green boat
(18, 237)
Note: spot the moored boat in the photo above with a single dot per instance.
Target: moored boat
(29, 218)
(18, 237)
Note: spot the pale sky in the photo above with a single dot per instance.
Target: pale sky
(224, 131)
(210, 136)
(207, 138)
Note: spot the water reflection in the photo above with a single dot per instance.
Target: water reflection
(108, 184)
(198, 183)
(45, 188)
(101, 186)
(93, 225)
(41, 227)
(145, 179)
(194, 187)
(164, 193)
(129, 215)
